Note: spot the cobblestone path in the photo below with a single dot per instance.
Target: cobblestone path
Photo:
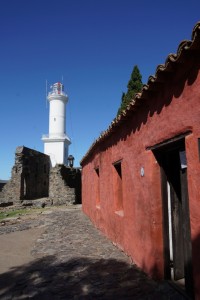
(73, 260)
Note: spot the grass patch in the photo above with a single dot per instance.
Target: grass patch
(18, 212)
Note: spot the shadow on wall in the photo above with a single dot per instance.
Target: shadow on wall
(196, 264)
(72, 178)
(2, 184)
(171, 85)
(80, 278)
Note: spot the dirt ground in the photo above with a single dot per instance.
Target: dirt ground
(15, 248)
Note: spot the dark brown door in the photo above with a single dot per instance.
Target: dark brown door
(177, 240)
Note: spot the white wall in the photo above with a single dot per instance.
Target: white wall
(57, 117)
(56, 152)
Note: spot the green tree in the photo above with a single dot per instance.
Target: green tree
(134, 86)
(123, 104)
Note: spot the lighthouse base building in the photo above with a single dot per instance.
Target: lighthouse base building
(57, 149)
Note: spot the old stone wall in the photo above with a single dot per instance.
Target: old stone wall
(29, 178)
(2, 184)
(65, 185)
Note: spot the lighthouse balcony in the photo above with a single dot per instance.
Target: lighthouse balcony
(57, 96)
(55, 136)
(53, 93)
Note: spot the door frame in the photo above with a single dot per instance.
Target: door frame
(159, 152)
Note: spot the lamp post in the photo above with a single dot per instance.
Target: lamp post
(71, 161)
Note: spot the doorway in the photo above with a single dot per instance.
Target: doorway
(171, 157)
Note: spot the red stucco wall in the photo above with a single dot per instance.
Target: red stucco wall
(138, 228)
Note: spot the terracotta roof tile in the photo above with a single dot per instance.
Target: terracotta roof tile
(172, 58)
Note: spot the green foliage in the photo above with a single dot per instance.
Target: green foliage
(123, 103)
(134, 86)
(12, 213)
(18, 212)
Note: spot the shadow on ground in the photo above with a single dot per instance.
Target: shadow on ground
(78, 278)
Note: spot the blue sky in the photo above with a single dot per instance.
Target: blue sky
(93, 45)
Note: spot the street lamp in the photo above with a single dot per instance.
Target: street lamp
(70, 160)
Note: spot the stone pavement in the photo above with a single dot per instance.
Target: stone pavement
(73, 260)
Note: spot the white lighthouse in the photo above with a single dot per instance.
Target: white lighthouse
(56, 143)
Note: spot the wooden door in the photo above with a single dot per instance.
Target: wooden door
(176, 229)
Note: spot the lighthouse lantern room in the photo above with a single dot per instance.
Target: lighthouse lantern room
(56, 143)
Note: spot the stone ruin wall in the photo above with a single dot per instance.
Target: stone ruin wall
(65, 185)
(29, 177)
(32, 179)
(2, 183)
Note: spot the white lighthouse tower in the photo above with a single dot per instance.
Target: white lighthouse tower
(56, 143)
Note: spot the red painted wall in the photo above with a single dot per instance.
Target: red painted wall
(137, 227)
